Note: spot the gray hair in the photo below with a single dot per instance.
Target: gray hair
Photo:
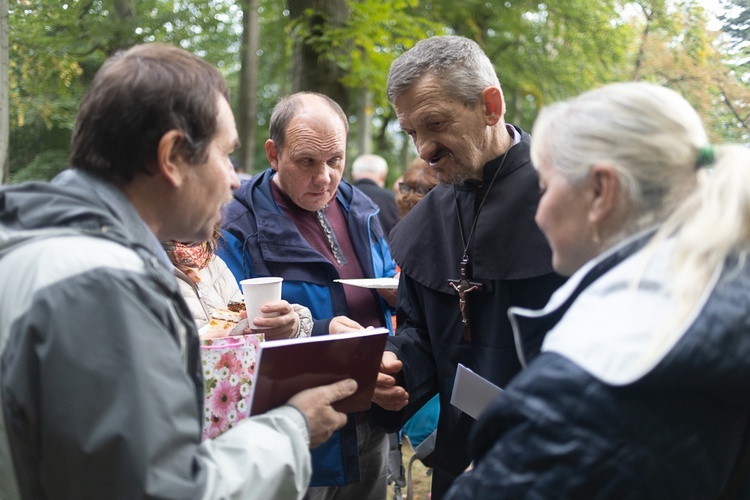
(369, 164)
(464, 69)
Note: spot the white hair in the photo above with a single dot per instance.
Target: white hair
(652, 137)
(369, 164)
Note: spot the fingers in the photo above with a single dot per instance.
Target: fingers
(277, 306)
(387, 394)
(390, 398)
(341, 390)
(215, 334)
(389, 363)
(343, 324)
(389, 366)
(384, 380)
(316, 403)
(282, 323)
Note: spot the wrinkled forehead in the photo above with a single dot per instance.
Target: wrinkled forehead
(424, 101)
(315, 135)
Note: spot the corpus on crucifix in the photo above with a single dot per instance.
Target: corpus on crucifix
(463, 286)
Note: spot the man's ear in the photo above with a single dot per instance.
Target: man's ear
(169, 159)
(494, 105)
(605, 190)
(272, 154)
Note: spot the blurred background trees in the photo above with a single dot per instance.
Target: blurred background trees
(543, 52)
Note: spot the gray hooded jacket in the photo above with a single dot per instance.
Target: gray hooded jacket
(100, 374)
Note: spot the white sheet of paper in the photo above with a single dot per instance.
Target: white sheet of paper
(472, 393)
(371, 282)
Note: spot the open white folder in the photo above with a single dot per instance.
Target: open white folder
(472, 394)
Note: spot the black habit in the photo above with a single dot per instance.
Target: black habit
(511, 259)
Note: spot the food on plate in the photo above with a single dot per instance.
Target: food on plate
(236, 306)
(223, 322)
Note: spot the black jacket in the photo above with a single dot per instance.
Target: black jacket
(385, 199)
(616, 407)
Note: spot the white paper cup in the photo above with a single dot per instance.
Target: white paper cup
(259, 291)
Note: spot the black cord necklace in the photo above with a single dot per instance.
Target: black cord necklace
(463, 285)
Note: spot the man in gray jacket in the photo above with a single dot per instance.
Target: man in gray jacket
(100, 376)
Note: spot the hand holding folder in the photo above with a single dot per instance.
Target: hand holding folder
(286, 367)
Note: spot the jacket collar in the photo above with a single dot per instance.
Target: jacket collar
(277, 237)
(531, 326)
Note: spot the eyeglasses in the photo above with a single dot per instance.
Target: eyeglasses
(406, 188)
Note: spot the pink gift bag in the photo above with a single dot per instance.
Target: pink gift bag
(228, 365)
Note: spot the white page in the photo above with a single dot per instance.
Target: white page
(391, 283)
(472, 394)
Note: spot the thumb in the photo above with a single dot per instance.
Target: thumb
(342, 389)
(390, 364)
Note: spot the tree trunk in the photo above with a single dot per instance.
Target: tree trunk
(312, 70)
(247, 122)
(122, 36)
(4, 97)
(641, 49)
(125, 8)
(364, 123)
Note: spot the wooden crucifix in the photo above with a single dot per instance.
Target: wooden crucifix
(464, 285)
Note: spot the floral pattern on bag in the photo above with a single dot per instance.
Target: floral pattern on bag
(228, 366)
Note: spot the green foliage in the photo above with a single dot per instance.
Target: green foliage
(545, 52)
(376, 33)
(43, 167)
(57, 47)
(677, 49)
(542, 51)
(732, 105)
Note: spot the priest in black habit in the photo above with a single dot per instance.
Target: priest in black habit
(468, 251)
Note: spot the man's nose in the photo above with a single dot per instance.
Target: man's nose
(425, 146)
(234, 179)
(322, 174)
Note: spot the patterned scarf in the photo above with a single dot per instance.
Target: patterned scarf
(188, 257)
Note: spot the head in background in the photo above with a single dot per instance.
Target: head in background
(307, 148)
(372, 167)
(191, 257)
(398, 180)
(417, 181)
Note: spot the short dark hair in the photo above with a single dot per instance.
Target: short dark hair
(286, 109)
(136, 97)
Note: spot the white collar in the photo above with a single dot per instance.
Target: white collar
(615, 329)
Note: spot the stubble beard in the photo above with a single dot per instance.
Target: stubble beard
(459, 174)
